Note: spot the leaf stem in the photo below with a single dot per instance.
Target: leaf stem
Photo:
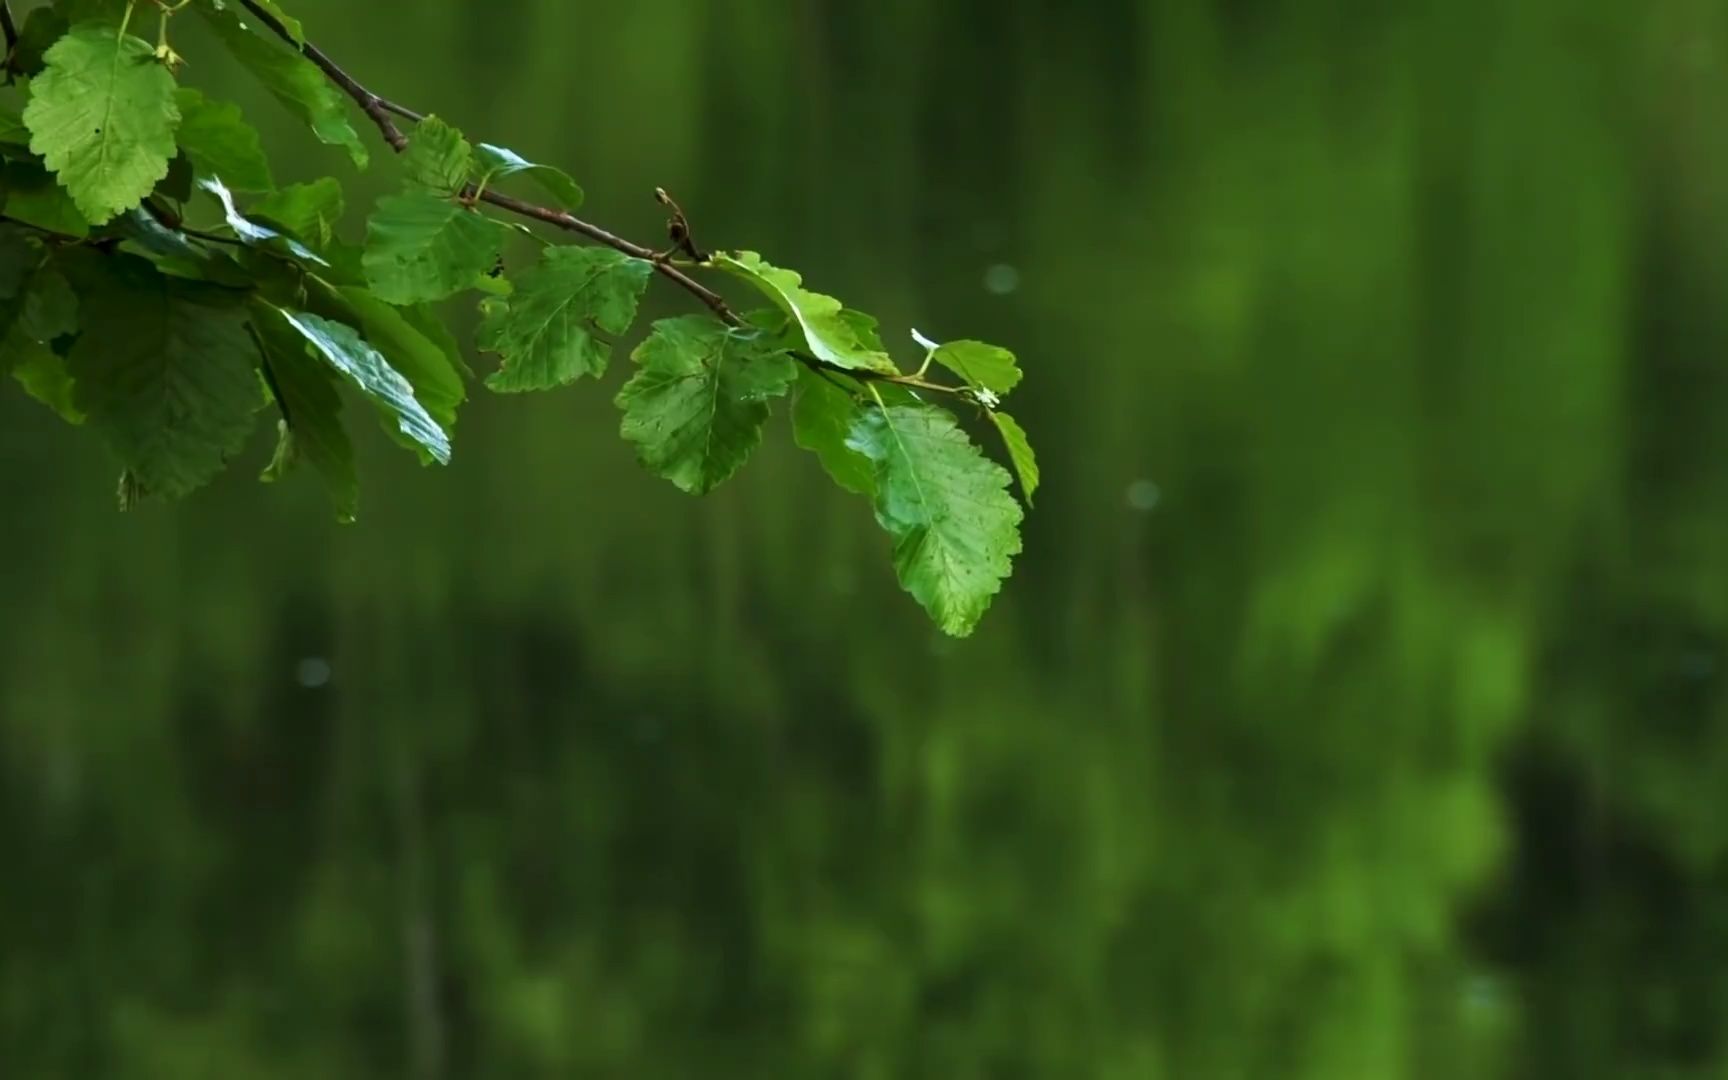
(383, 113)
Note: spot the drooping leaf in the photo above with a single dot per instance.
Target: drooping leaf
(826, 331)
(498, 163)
(438, 157)
(422, 247)
(548, 330)
(822, 418)
(1019, 451)
(309, 211)
(955, 526)
(292, 80)
(250, 231)
(32, 196)
(164, 369)
(423, 362)
(343, 348)
(987, 367)
(696, 407)
(219, 142)
(42, 373)
(102, 115)
(310, 429)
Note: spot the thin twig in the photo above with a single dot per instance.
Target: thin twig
(383, 113)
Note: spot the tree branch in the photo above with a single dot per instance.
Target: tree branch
(383, 113)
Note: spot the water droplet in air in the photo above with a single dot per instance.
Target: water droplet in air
(1001, 279)
(1143, 495)
(312, 672)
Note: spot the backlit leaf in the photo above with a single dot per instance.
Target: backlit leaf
(1019, 451)
(219, 142)
(309, 211)
(421, 246)
(549, 330)
(438, 157)
(292, 80)
(102, 115)
(989, 367)
(696, 407)
(955, 526)
(826, 332)
(822, 418)
(498, 163)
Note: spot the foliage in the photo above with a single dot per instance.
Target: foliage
(158, 286)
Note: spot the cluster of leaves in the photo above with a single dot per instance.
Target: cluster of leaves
(170, 338)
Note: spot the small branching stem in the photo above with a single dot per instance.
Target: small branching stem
(384, 113)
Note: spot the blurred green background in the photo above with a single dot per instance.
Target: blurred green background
(1356, 710)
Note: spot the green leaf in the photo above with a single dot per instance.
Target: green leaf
(165, 370)
(422, 247)
(438, 157)
(289, 23)
(102, 115)
(43, 375)
(32, 196)
(50, 307)
(12, 129)
(827, 332)
(175, 253)
(696, 408)
(219, 142)
(311, 426)
(253, 233)
(426, 319)
(955, 526)
(987, 367)
(498, 163)
(548, 330)
(292, 80)
(425, 363)
(822, 418)
(309, 211)
(1019, 451)
(864, 327)
(342, 347)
